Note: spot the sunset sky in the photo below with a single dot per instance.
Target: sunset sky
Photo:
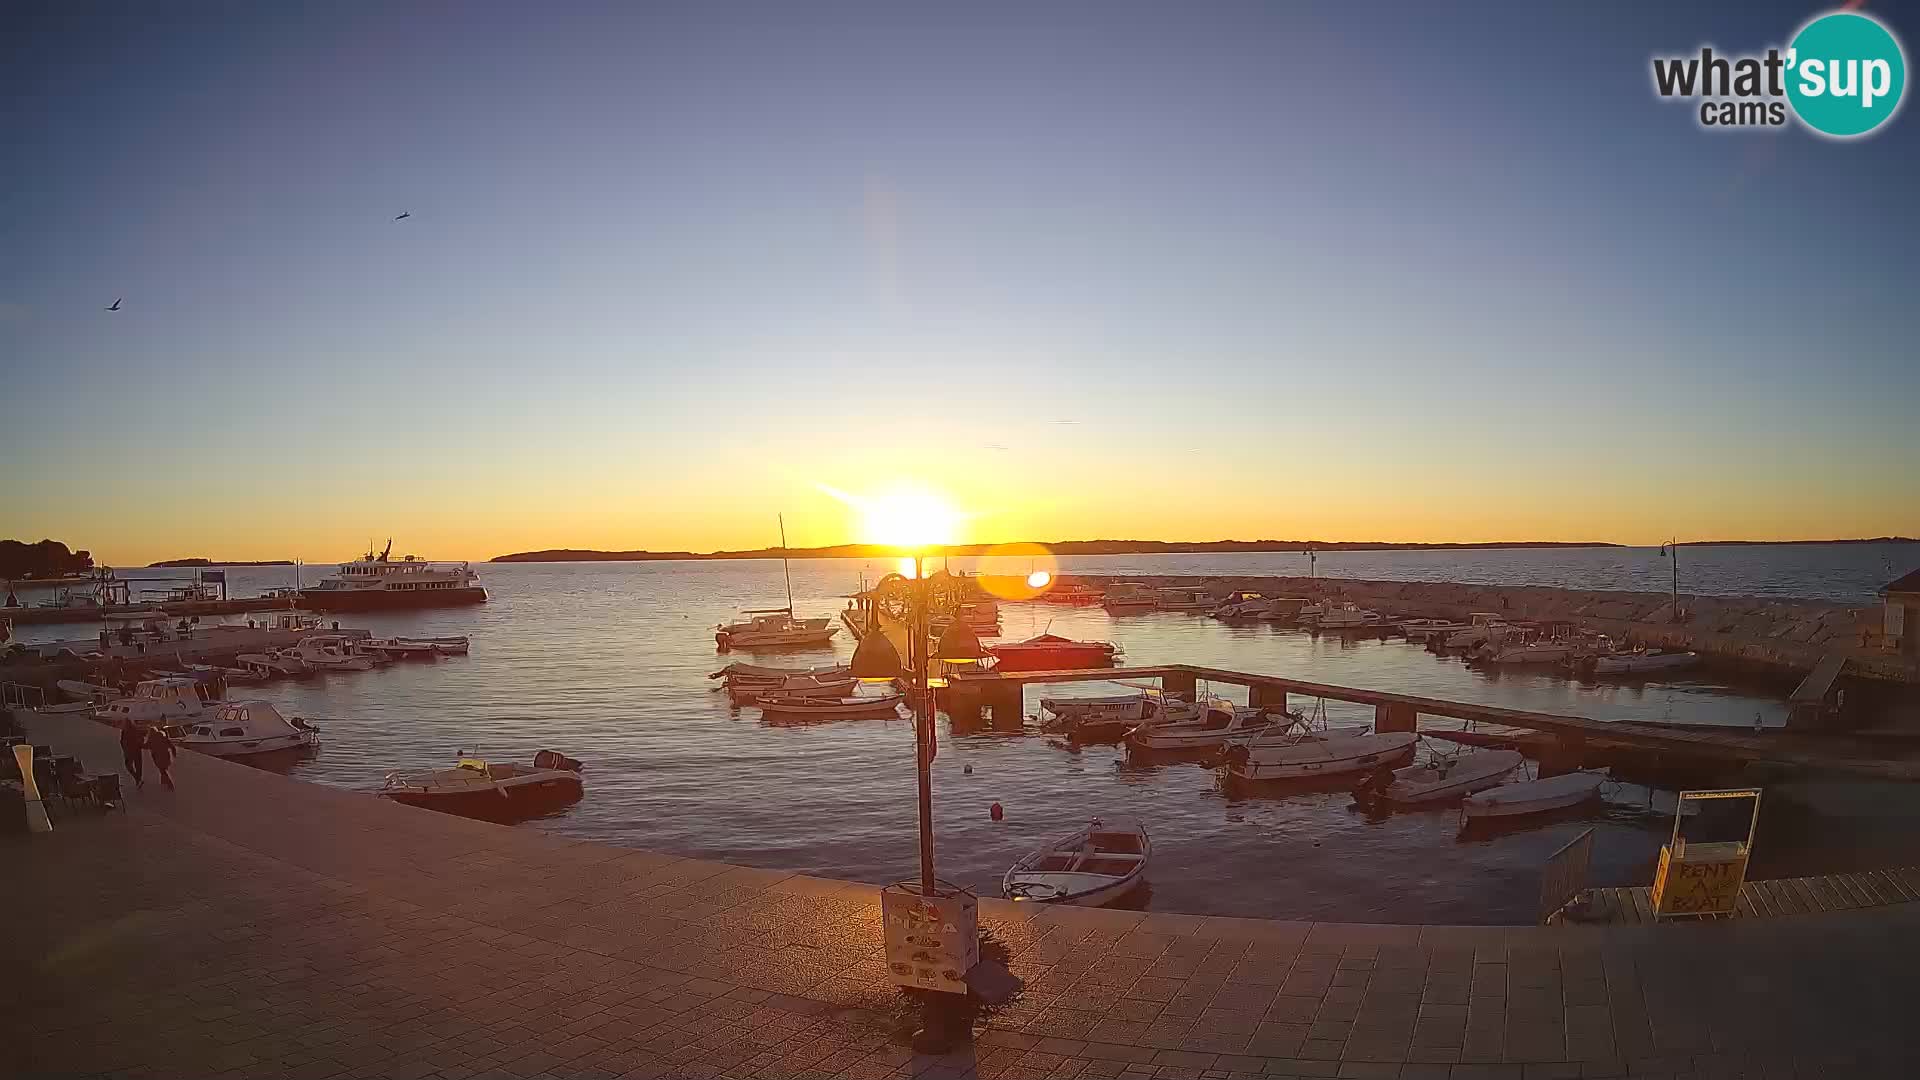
(1151, 271)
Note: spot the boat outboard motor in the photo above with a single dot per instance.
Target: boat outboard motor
(554, 759)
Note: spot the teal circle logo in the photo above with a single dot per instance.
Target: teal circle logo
(1846, 74)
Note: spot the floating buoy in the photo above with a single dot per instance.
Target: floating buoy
(968, 770)
(996, 812)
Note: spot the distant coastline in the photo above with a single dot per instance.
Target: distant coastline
(1113, 547)
(1063, 547)
(212, 562)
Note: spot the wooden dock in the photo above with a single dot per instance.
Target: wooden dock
(1402, 712)
(1773, 898)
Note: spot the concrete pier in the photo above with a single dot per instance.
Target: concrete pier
(252, 925)
(1787, 635)
(1575, 734)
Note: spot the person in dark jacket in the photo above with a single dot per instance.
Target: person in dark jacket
(132, 738)
(161, 748)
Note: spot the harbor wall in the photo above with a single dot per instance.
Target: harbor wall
(1781, 634)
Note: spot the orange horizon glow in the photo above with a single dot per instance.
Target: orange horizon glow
(1339, 499)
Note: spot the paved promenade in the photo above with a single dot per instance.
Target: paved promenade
(251, 925)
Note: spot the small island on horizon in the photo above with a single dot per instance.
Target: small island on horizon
(1109, 547)
(170, 563)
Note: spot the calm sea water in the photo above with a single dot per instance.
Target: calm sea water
(608, 662)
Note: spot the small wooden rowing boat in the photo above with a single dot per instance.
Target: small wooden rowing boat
(748, 692)
(1449, 778)
(831, 708)
(1096, 865)
(737, 671)
(1532, 797)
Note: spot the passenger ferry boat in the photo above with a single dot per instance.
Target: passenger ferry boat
(377, 582)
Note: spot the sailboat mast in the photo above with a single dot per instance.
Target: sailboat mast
(784, 569)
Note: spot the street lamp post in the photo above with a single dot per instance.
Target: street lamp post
(876, 660)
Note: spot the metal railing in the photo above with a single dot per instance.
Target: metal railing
(1565, 876)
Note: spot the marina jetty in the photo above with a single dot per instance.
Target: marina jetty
(1782, 635)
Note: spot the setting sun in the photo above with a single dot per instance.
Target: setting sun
(905, 518)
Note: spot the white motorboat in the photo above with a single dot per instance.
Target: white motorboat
(274, 663)
(774, 629)
(1633, 663)
(1346, 617)
(1129, 598)
(1532, 796)
(1449, 777)
(1242, 604)
(1482, 627)
(76, 690)
(1310, 758)
(1290, 728)
(331, 652)
(1095, 719)
(1096, 865)
(1220, 722)
(230, 674)
(478, 788)
(454, 645)
(1534, 651)
(1285, 609)
(793, 686)
(160, 701)
(248, 727)
(1180, 600)
(790, 709)
(1423, 629)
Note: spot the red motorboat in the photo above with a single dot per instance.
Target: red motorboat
(1051, 652)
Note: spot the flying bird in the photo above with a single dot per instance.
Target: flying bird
(404, 215)
(116, 304)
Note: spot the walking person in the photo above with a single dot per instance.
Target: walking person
(161, 748)
(132, 738)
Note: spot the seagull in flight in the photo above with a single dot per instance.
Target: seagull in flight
(404, 215)
(116, 304)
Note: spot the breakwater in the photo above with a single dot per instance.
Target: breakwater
(1790, 635)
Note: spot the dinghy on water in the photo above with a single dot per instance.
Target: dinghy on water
(478, 788)
(76, 690)
(1108, 719)
(1634, 663)
(1448, 778)
(1311, 758)
(747, 693)
(736, 671)
(1096, 865)
(1219, 723)
(452, 645)
(789, 709)
(276, 661)
(1532, 797)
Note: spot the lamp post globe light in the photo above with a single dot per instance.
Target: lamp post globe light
(877, 660)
